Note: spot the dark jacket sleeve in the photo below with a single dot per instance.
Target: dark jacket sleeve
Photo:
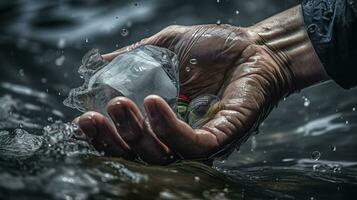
(332, 28)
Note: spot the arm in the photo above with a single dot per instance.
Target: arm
(286, 36)
(251, 69)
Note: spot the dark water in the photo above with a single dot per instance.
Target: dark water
(306, 149)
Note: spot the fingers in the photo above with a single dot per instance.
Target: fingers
(176, 134)
(103, 135)
(131, 126)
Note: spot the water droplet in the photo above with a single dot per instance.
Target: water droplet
(21, 72)
(75, 126)
(218, 22)
(333, 148)
(124, 32)
(60, 60)
(336, 169)
(237, 12)
(306, 102)
(197, 179)
(315, 155)
(61, 43)
(315, 167)
(193, 61)
(43, 80)
(253, 143)
(188, 69)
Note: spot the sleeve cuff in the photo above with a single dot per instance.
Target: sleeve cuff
(331, 26)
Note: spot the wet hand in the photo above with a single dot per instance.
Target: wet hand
(234, 63)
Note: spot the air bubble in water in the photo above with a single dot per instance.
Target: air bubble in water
(193, 61)
(124, 32)
(315, 155)
(188, 69)
(61, 43)
(218, 22)
(354, 109)
(218, 1)
(347, 122)
(237, 12)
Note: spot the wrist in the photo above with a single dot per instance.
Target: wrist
(285, 36)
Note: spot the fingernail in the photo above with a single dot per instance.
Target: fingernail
(152, 111)
(77, 132)
(87, 125)
(117, 114)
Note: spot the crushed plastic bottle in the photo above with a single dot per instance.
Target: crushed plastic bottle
(136, 74)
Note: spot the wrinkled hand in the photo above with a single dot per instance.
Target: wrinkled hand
(232, 62)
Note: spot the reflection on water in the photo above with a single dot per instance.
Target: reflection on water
(304, 150)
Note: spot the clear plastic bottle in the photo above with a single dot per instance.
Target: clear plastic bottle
(135, 74)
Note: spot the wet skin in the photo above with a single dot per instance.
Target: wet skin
(250, 69)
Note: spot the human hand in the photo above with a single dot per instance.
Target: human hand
(249, 74)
